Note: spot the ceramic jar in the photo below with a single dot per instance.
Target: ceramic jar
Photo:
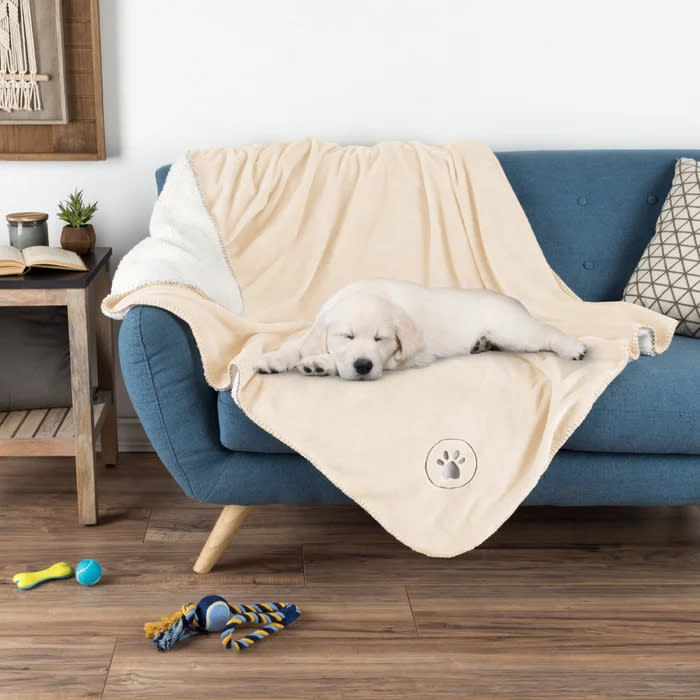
(27, 229)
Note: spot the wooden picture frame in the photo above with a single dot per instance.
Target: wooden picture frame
(82, 137)
(47, 21)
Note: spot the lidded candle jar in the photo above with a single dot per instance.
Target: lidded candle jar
(28, 228)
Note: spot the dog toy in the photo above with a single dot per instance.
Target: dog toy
(29, 579)
(88, 572)
(214, 614)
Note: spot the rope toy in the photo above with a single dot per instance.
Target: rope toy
(214, 614)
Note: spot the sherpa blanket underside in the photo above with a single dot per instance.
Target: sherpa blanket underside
(246, 244)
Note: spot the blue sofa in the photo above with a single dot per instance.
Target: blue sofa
(593, 213)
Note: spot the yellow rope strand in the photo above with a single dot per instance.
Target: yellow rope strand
(153, 629)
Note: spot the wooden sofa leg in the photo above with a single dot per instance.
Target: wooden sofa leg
(226, 527)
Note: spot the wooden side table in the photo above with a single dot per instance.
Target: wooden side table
(70, 431)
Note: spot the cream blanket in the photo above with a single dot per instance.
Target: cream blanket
(245, 246)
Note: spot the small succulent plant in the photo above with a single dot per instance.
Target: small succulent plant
(74, 211)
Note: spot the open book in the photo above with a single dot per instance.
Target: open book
(16, 262)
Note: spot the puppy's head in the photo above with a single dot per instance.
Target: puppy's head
(366, 334)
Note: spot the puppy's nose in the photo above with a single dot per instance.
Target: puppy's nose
(362, 365)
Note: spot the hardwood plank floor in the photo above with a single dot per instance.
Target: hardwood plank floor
(612, 565)
(411, 668)
(328, 611)
(53, 666)
(560, 603)
(307, 524)
(572, 616)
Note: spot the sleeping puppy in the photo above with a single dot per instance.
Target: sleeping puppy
(375, 325)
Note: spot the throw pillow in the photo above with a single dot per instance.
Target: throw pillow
(667, 278)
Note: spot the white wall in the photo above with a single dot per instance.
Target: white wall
(517, 74)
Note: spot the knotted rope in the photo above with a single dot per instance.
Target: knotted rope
(19, 89)
(214, 614)
(277, 617)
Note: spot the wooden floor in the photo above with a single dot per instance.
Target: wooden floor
(561, 603)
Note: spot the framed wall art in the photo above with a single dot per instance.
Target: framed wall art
(50, 80)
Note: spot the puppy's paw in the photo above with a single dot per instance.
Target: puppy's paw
(274, 363)
(571, 349)
(317, 365)
(482, 344)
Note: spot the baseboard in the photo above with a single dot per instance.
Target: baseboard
(132, 436)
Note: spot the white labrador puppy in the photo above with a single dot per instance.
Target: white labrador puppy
(375, 325)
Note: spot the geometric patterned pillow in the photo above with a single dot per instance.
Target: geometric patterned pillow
(667, 278)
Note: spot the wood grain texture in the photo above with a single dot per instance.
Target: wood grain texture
(569, 616)
(613, 565)
(41, 667)
(51, 423)
(39, 77)
(105, 368)
(66, 431)
(47, 432)
(51, 481)
(125, 565)
(271, 524)
(351, 667)
(31, 297)
(12, 423)
(76, 10)
(561, 603)
(77, 32)
(96, 66)
(56, 522)
(31, 424)
(82, 407)
(328, 611)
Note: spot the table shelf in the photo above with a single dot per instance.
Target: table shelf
(46, 431)
(53, 432)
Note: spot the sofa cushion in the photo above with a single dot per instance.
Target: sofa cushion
(667, 278)
(239, 433)
(651, 407)
(593, 212)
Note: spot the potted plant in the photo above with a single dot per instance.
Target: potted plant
(79, 235)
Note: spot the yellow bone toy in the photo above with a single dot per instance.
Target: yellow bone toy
(29, 579)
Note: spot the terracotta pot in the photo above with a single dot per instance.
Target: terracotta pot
(80, 240)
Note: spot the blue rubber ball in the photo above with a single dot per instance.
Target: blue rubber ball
(88, 572)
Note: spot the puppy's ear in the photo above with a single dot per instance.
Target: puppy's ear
(315, 341)
(408, 336)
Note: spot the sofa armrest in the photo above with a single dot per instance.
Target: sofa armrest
(178, 409)
(165, 380)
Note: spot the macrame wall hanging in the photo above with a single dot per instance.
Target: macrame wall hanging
(19, 80)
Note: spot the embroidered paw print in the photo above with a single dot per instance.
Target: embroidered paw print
(450, 465)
